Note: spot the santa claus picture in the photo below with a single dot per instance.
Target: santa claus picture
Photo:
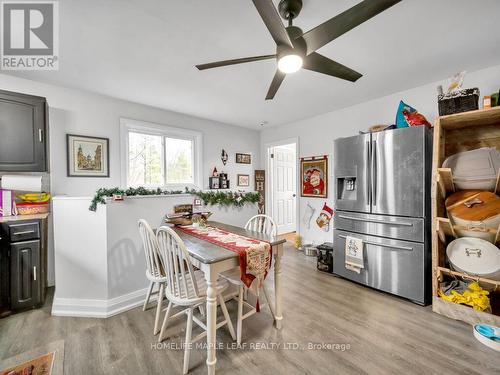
(314, 177)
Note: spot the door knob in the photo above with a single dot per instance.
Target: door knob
(294, 195)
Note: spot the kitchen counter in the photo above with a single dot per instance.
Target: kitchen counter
(8, 219)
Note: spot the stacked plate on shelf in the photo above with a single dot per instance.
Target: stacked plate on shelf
(474, 256)
(474, 212)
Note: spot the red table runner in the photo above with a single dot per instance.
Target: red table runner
(255, 255)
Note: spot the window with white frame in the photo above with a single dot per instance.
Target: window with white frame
(156, 155)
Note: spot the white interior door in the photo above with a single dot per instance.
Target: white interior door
(284, 181)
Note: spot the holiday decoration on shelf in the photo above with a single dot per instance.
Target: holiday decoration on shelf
(215, 173)
(324, 218)
(223, 198)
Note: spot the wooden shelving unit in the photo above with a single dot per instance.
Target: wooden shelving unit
(452, 134)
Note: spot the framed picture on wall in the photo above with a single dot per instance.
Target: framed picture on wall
(314, 176)
(260, 186)
(243, 180)
(87, 156)
(243, 158)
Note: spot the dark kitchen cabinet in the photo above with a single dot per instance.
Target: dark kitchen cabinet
(23, 259)
(23, 132)
(25, 275)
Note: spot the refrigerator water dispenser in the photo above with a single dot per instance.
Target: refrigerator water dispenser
(346, 188)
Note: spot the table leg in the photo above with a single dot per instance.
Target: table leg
(277, 286)
(211, 278)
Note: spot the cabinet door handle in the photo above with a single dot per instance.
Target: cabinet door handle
(40, 135)
(23, 232)
(34, 273)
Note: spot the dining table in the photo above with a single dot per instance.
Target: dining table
(212, 259)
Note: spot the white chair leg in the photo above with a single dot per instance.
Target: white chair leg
(146, 301)
(226, 316)
(187, 343)
(202, 310)
(158, 308)
(239, 321)
(165, 322)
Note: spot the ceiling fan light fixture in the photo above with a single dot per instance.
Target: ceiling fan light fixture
(290, 63)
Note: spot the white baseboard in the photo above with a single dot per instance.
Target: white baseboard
(94, 308)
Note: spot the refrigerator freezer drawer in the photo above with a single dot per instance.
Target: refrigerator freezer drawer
(404, 228)
(393, 266)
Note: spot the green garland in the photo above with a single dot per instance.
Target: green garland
(222, 198)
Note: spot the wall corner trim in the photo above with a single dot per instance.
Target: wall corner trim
(94, 308)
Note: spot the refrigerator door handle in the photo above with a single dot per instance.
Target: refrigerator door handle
(375, 221)
(383, 245)
(374, 173)
(367, 173)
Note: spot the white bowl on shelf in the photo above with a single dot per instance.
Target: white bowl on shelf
(475, 257)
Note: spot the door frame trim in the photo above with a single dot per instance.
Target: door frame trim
(268, 165)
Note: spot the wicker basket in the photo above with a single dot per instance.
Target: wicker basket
(458, 101)
(25, 208)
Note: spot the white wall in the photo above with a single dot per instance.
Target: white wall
(316, 134)
(84, 113)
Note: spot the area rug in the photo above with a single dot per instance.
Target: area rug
(38, 366)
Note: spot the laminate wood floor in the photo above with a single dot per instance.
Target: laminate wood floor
(331, 326)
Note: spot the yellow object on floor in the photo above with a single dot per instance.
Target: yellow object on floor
(474, 296)
(298, 241)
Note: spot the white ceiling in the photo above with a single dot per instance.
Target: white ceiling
(145, 51)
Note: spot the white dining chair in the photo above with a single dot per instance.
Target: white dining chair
(261, 224)
(154, 271)
(186, 288)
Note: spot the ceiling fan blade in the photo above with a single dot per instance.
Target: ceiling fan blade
(342, 23)
(234, 61)
(321, 64)
(275, 84)
(272, 19)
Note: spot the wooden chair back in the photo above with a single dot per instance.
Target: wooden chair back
(150, 244)
(262, 224)
(182, 287)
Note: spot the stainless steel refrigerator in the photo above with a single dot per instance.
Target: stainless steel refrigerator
(382, 196)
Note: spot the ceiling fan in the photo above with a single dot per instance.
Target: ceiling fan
(295, 49)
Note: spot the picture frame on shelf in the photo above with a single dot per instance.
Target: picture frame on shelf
(243, 180)
(242, 158)
(87, 156)
(214, 182)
